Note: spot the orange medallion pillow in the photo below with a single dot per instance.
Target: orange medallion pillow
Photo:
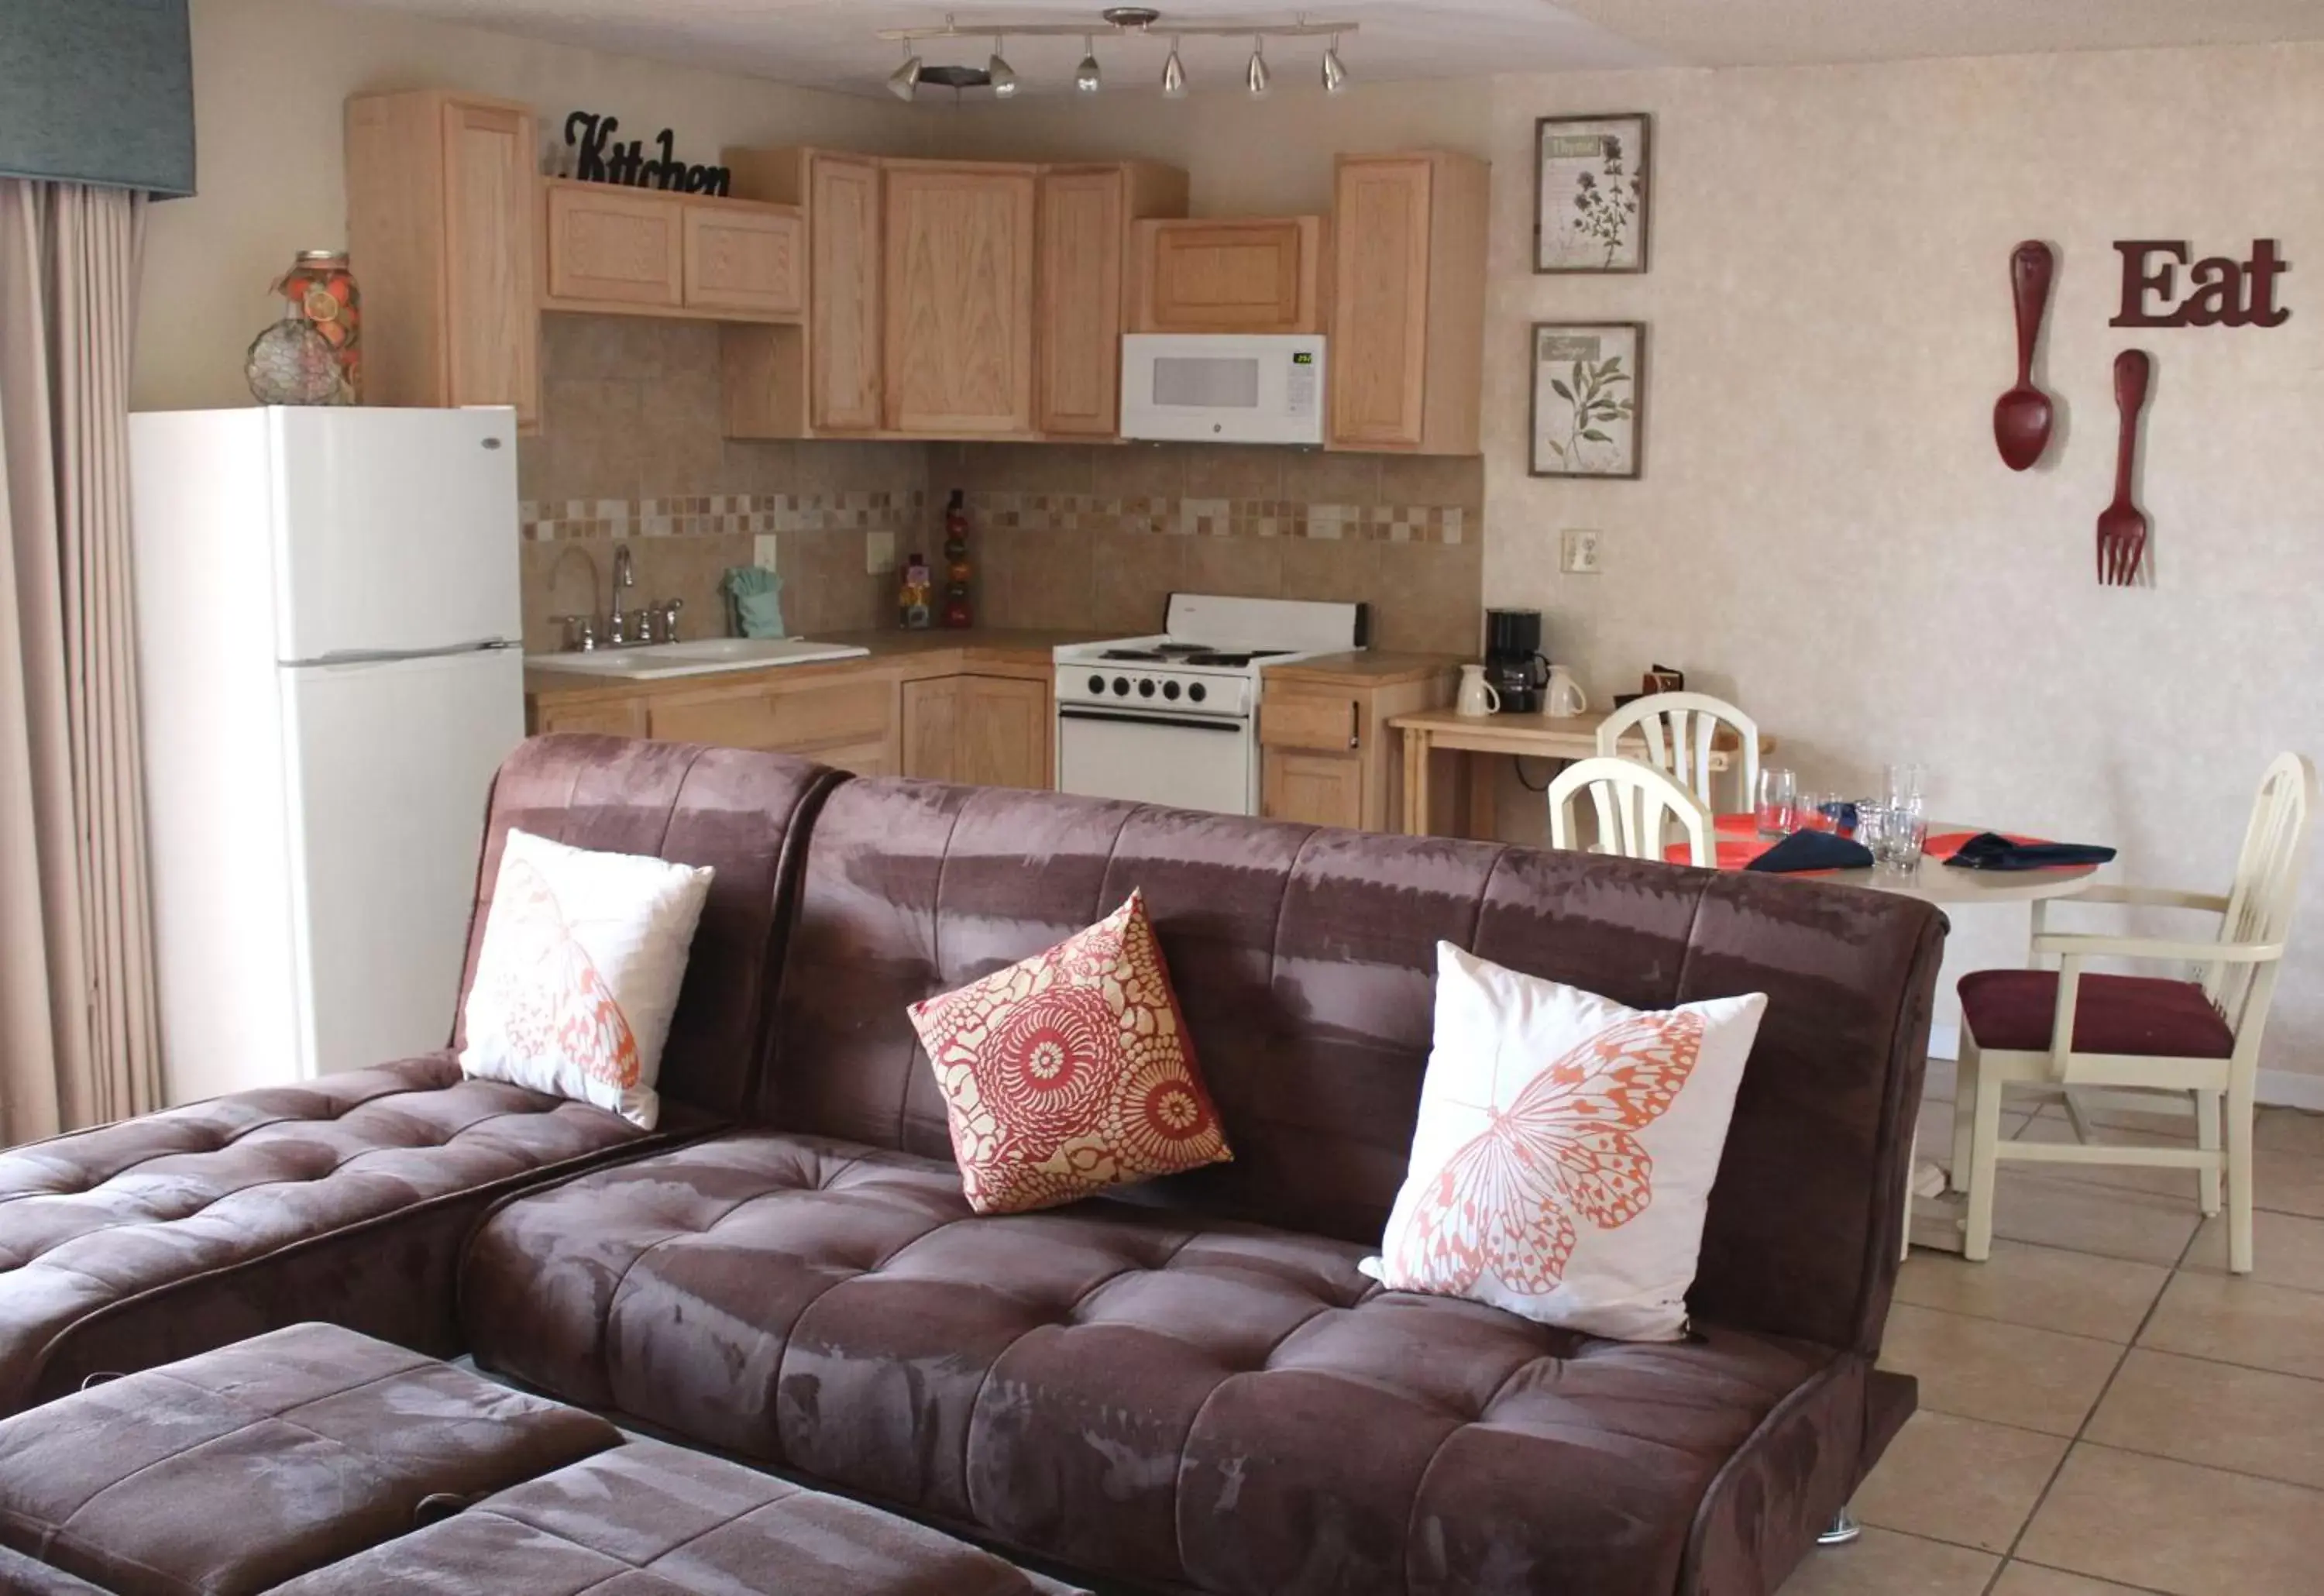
(1070, 1072)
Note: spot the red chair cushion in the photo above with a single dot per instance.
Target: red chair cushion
(2140, 1016)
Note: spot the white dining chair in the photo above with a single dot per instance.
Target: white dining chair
(1635, 805)
(1680, 731)
(2199, 1037)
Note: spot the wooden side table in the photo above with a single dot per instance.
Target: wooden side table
(1530, 736)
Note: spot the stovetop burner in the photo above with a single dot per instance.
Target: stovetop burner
(1193, 654)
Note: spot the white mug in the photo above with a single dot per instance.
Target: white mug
(1476, 694)
(1563, 698)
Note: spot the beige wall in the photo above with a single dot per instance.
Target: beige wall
(1824, 531)
(269, 79)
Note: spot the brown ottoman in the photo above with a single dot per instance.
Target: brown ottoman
(322, 1458)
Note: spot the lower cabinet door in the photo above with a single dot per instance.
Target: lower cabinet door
(931, 728)
(1001, 736)
(1316, 788)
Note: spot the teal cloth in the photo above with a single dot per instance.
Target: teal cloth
(754, 602)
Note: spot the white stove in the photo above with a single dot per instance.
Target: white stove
(1174, 719)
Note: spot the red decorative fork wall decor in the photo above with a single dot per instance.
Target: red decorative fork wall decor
(2123, 526)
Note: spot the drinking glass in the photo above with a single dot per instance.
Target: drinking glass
(1902, 784)
(1779, 802)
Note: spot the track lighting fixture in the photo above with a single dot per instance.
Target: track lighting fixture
(1335, 75)
(1121, 22)
(904, 82)
(1174, 75)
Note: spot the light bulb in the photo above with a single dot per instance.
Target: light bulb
(1259, 77)
(1174, 75)
(1335, 74)
(1086, 76)
(1003, 75)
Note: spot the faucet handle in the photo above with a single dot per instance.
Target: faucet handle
(664, 615)
(580, 632)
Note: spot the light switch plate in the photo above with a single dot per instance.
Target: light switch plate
(763, 552)
(879, 553)
(1580, 552)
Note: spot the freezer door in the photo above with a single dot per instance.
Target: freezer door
(396, 530)
(392, 767)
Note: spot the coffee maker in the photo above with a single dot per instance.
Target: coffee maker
(1514, 662)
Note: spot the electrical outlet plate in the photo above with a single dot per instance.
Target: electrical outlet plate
(879, 553)
(1579, 556)
(763, 552)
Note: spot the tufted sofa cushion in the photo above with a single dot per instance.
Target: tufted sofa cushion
(1166, 1397)
(345, 1200)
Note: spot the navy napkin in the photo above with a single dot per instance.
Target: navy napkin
(1991, 851)
(1812, 850)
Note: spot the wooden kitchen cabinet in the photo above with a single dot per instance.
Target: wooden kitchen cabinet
(839, 721)
(745, 259)
(957, 243)
(1327, 755)
(820, 378)
(610, 246)
(442, 231)
(1263, 275)
(980, 730)
(1086, 213)
(1407, 334)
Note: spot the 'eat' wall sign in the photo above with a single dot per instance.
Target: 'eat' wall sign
(2220, 291)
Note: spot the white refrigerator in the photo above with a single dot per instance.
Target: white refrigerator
(331, 669)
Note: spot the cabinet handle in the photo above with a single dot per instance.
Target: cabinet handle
(1355, 726)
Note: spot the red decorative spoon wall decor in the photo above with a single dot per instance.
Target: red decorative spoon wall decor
(2022, 418)
(2122, 527)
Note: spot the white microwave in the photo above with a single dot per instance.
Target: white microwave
(1223, 387)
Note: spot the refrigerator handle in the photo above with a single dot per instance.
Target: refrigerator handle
(390, 656)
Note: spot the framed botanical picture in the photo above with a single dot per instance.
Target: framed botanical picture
(1596, 177)
(1589, 398)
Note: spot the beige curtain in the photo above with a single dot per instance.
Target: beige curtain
(79, 1043)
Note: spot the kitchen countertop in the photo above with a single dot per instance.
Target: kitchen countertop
(977, 645)
(1365, 668)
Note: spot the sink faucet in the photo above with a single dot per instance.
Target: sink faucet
(625, 577)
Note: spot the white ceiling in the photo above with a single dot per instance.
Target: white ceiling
(829, 43)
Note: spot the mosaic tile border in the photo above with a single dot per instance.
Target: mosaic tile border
(1221, 518)
(552, 520)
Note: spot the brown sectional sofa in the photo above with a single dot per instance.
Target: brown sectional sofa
(1189, 1388)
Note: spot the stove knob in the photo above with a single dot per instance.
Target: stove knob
(1121, 687)
(1097, 683)
(1170, 691)
(1146, 690)
(1198, 692)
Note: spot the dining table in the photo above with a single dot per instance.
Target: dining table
(1937, 1214)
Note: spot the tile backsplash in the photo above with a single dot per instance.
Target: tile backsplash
(1063, 536)
(632, 449)
(1100, 536)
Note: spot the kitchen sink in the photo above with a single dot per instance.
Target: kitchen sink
(707, 657)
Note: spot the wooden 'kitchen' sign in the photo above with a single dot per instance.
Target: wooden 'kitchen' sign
(599, 160)
(2221, 291)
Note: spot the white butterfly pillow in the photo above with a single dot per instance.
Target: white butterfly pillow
(1562, 1161)
(579, 973)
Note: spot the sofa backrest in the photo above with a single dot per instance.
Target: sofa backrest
(744, 813)
(1304, 962)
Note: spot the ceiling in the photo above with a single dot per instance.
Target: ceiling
(829, 43)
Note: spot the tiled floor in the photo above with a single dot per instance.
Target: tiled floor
(2104, 1410)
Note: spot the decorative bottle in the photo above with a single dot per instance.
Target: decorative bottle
(957, 612)
(321, 291)
(914, 592)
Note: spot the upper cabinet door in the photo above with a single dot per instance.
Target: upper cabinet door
(1083, 238)
(490, 261)
(843, 293)
(959, 286)
(1260, 276)
(744, 259)
(1379, 304)
(612, 248)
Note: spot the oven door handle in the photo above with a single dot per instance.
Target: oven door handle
(1233, 728)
